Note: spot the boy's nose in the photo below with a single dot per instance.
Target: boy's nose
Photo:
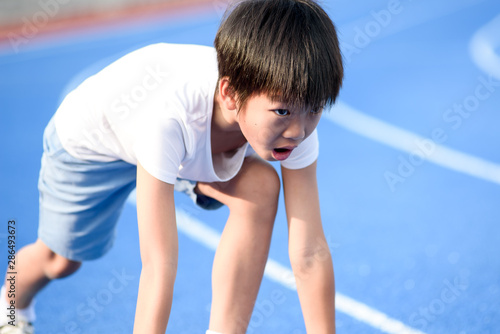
(296, 130)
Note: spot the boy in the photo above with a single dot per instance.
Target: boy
(166, 114)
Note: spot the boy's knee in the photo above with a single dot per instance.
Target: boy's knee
(261, 183)
(270, 184)
(60, 267)
(257, 185)
(55, 266)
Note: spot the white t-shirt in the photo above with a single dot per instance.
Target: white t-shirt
(155, 105)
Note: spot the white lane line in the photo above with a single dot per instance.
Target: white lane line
(390, 135)
(482, 47)
(280, 274)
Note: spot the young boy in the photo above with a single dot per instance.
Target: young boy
(183, 117)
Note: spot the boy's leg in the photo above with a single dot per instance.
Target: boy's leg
(37, 266)
(252, 198)
(80, 203)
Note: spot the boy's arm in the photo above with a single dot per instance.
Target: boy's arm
(159, 250)
(309, 252)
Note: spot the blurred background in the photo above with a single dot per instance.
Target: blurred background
(54, 15)
(409, 164)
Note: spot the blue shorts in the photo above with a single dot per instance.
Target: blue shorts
(81, 201)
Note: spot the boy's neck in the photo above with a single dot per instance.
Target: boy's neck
(226, 135)
(222, 119)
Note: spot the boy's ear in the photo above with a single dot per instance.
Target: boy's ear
(227, 94)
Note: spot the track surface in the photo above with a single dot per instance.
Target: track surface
(414, 229)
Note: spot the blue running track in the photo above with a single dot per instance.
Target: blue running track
(409, 175)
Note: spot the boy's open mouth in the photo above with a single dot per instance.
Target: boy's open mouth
(282, 153)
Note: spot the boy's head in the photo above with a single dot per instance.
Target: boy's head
(285, 48)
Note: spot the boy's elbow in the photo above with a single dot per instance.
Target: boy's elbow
(311, 261)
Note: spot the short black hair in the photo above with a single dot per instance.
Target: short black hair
(286, 48)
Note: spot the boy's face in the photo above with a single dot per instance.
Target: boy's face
(274, 128)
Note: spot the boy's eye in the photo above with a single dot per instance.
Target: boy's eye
(317, 110)
(281, 112)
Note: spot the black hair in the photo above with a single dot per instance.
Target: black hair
(286, 48)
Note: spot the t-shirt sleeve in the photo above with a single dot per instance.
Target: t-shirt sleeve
(160, 149)
(305, 154)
